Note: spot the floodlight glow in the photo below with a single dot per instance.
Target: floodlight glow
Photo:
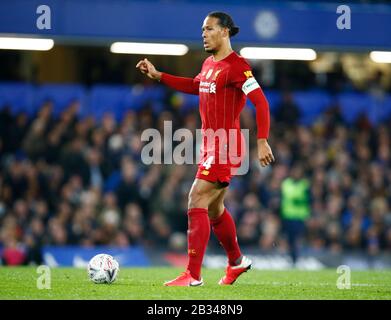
(149, 48)
(381, 56)
(278, 53)
(26, 44)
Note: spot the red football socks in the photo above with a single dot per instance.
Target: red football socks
(197, 239)
(225, 231)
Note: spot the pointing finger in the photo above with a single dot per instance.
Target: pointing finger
(139, 63)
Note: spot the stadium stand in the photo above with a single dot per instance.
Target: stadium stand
(70, 170)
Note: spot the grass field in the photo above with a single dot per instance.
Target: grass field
(146, 284)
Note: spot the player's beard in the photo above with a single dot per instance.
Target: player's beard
(210, 51)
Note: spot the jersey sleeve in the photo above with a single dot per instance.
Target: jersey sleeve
(186, 85)
(243, 79)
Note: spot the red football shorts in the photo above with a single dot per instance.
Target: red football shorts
(221, 159)
(216, 172)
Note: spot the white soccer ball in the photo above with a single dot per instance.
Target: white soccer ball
(103, 268)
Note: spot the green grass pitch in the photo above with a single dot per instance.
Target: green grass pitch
(146, 284)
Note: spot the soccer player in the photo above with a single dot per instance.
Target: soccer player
(222, 85)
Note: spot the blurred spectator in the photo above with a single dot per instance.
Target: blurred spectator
(134, 223)
(295, 208)
(127, 190)
(97, 169)
(288, 113)
(13, 253)
(34, 239)
(159, 230)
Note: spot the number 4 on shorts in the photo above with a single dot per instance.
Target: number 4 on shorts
(208, 162)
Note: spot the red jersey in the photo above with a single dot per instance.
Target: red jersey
(221, 101)
(222, 87)
(220, 91)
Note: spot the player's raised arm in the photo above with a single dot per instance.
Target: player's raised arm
(186, 85)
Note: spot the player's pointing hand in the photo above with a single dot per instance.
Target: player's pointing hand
(146, 67)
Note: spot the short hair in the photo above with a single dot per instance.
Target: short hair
(225, 21)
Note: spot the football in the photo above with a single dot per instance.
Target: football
(103, 268)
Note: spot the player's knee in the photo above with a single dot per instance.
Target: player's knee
(197, 198)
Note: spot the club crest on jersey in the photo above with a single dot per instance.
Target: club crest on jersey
(209, 73)
(216, 74)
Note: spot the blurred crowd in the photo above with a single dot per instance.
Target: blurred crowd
(79, 181)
